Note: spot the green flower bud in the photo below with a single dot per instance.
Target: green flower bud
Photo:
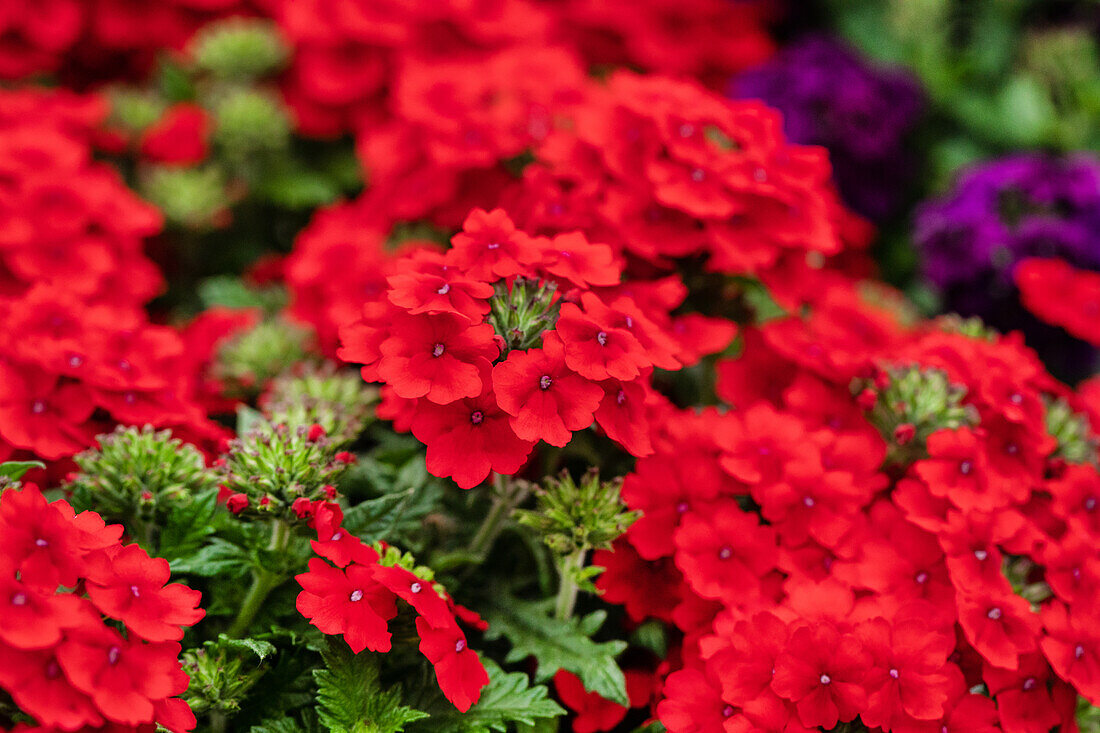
(575, 518)
(134, 110)
(337, 400)
(249, 122)
(972, 327)
(239, 48)
(520, 315)
(1076, 443)
(273, 465)
(247, 362)
(222, 672)
(194, 198)
(910, 403)
(137, 476)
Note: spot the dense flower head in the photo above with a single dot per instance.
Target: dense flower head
(71, 370)
(823, 571)
(339, 261)
(356, 589)
(500, 342)
(662, 169)
(352, 66)
(68, 219)
(830, 96)
(88, 41)
(1000, 213)
(91, 630)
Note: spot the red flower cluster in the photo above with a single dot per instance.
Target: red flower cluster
(1061, 295)
(357, 596)
(86, 41)
(818, 576)
(339, 261)
(501, 342)
(180, 137)
(67, 219)
(665, 169)
(352, 61)
(60, 574)
(78, 351)
(71, 370)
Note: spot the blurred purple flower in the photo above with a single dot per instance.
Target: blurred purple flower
(998, 213)
(830, 96)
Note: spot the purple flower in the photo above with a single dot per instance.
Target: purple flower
(1002, 211)
(999, 212)
(829, 96)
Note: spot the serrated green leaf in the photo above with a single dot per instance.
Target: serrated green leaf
(508, 698)
(218, 559)
(558, 644)
(373, 519)
(188, 525)
(15, 470)
(262, 649)
(350, 698)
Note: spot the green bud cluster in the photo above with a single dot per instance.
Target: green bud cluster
(972, 327)
(133, 110)
(273, 465)
(249, 361)
(521, 313)
(912, 402)
(1076, 443)
(136, 476)
(337, 400)
(248, 122)
(576, 517)
(239, 49)
(220, 674)
(194, 198)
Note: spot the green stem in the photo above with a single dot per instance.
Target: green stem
(263, 582)
(217, 721)
(506, 496)
(567, 589)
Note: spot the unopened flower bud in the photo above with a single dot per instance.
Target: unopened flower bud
(236, 503)
(867, 398)
(302, 507)
(316, 432)
(904, 433)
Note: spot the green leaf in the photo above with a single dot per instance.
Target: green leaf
(508, 698)
(232, 292)
(262, 649)
(403, 495)
(187, 526)
(350, 698)
(15, 470)
(278, 725)
(558, 644)
(1025, 105)
(218, 559)
(760, 299)
(248, 419)
(298, 188)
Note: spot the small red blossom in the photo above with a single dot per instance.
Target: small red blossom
(546, 399)
(458, 669)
